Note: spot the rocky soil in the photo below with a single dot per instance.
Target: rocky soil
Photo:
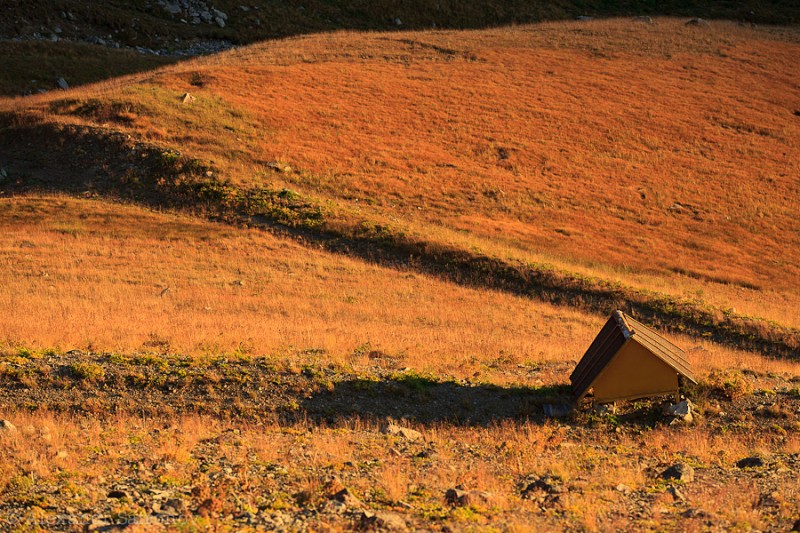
(102, 441)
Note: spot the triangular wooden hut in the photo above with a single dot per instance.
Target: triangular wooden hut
(628, 360)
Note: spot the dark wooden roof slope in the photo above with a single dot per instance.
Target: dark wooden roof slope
(616, 332)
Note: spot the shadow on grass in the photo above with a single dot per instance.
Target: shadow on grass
(42, 156)
(427, 401)
(430, 402)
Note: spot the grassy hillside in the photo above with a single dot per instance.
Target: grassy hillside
(165, 371)
(517, 154)
(335, 287)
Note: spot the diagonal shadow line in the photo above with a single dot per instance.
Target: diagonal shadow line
(79, 159)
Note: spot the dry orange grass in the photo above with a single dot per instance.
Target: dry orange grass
(109, 277)
(609, 146)
(84, 458)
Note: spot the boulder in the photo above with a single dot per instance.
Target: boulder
(750, 462)
(466, 498)
(407, 433)
(679, 472)
(681, 411)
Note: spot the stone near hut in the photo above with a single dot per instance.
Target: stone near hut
(187, 99)
(62, 84)
(750, 462)
(679, 472)
(681, 411)
(557, 410)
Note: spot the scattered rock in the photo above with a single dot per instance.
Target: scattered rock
(750, 462)
(384, 520)
(644, 19)
(681, 412)
(347, 498)
(407, 433)
(427, 453)
(220, 21)
(117, 494)
(398, 22)
(696, 22)
(624, 489)
(62, 454)
(7, 427)
(604, 409)
(680, 472)
(465, 498)
(62, 84)
(547, 483)
(557, 410)
(187, 98)
(98, 524)
(694, 513)
(583, 17)
(677, 495)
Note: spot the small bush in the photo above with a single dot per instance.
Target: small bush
(87, 371)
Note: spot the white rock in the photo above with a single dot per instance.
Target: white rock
(681, 411)
(407, 433)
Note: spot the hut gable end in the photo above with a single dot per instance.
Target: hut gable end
(629, 360)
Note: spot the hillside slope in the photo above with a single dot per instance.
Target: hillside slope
(518, 152)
